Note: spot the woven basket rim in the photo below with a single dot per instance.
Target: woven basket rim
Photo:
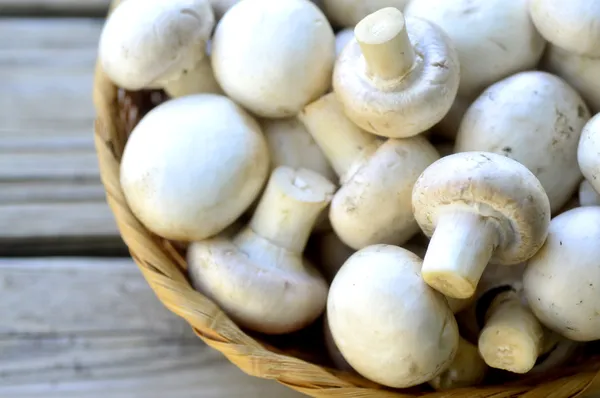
(164, 270)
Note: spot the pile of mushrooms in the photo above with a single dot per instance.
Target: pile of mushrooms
(419, 180)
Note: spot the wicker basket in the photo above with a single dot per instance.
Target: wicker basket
(297, 360)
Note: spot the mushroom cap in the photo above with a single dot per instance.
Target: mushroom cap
(587, 152)
(199, 79)
(274, 57)
(408, 105)
(491, 185)
(536, 119)
(588, 195)
(467, 369)
(374, 204)
(388, 324)
(579, 71)
(148, 42)
(193, 165)
(342, 38)
(347, 13)
(291, 145)
(493, 38)
(265, 288)
(562, 281)
(572, 25)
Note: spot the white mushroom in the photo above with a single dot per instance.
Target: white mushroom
(587, 153)
(147, 43)
(193, 165)
(201, 79)
(562, 281)
(332, 351)
(374, 203)
(347, 13)
(466, 370)
(396, 78)
(572, 25)
(579, 71)
(388, 324)
(493, 38)
(536, 119)
(342, 38)
(260, 278)
(588, 195)
(477, 207)
(291, 145)
(274, 57)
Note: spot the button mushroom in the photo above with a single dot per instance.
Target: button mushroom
(588, 195)
(493, 38)
(148, 43)
(536, 119)
(201, 79)
(466, 370)
(572, 25)
(347, 13)
(477, 207)
(398, 77)
(274, 57)
(193, 165)
(587, 152)
(579, 71)
(374, 203)
(260, 278)
(342, 38)
(388, 324)
(562, 280)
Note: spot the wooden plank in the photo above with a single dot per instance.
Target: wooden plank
(53, 7)
(92, 328)
(50, 190)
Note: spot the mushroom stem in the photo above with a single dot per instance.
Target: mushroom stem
(458, 253)
(512, 338)
(385, 44)
(342, 142)
(289, 207)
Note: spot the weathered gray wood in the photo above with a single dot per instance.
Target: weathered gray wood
(92, 328)
(50, 189)
(54, 7)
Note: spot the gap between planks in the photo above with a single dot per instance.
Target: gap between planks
(92, 328)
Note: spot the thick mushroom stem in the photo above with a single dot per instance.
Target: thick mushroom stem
(342, 142)
(512, 338)
(459, 250)
(385, 44)
(289, 207)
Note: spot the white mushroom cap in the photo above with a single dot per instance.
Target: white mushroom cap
(579, 71)
(396, 78)
(347, 13)
(477, 207)
(200, 79)
(274, 57)
(388, 324)
(536, 119)
(562, 280)
(374, 203)
(291, 145)
(193, 165)
(494, 38)
(342, 38)
(587, 152)
(466, 370)
(588, 195)
(332, 350)
(260, 278)
(572, 25)
(145, 43)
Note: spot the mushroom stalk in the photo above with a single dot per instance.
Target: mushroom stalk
(512, 338)
(385, 44)
(290, 206)
(342, 142)
(460, 249)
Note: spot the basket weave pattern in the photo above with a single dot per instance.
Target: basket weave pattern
(164, 268)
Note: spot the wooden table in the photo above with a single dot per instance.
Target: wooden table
(85, 323)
